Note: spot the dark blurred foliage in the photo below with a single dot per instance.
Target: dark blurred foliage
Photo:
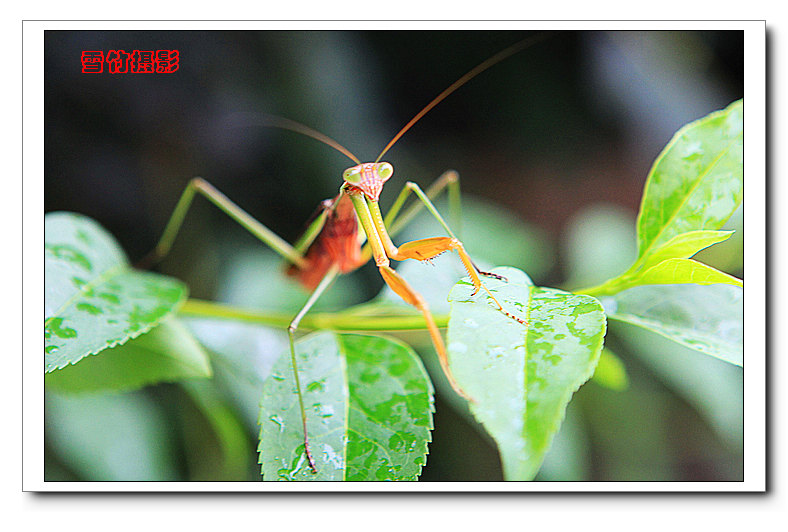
(575, 120)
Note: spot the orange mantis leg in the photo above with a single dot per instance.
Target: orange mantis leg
(429, 248)
(398, 284)
(410, 296)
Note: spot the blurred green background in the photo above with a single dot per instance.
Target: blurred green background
(553, 147)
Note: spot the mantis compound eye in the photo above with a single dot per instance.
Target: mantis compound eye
(352, 175)
(385, 170)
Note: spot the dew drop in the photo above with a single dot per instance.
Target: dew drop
(458, 347)
(316, 386)
(332, 457)
(322, 410)
(279, 421)
(497, 351)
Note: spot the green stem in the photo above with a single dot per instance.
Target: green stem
(336, 321)
(614, 285)
(607, 288)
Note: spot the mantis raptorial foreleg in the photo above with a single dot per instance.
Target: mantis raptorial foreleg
(410, 296)
(395, 220)
(448, 180)
(427, 248)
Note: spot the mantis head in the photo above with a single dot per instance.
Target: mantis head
(369, 177)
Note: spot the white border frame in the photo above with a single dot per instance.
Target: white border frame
(755, 253)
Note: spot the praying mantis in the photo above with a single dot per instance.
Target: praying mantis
(332, 243)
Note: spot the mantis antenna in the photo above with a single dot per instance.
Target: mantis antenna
(266, 120)
(497, 58)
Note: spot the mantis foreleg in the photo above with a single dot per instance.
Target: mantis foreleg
(428, 248)
(396, 221)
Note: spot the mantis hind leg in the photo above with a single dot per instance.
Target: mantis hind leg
(291, 330)
(200, 186)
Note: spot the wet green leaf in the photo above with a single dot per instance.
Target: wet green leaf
(369, 411)
(709, 319)
(694, 187)
(684, 246)
(677, 271)
(93, 299)
(696, 183)
(522, 376)
(167, 353)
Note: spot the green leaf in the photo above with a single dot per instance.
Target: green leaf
(610, 372)
(111, 437)
(93, 299)
(678, 271)
(684, 246)
(242, 355)
(369, 411)
(709, 319)
(696, 182)
(234, 462)
(167, 353)
(727, 256)
(520, 376)
(713, 387)
(694, 187)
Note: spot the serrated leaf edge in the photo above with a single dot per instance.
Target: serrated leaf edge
(730, 279)
(674, 140)
(566, 398)
(430, 391)
(343, 360)
(130, 336)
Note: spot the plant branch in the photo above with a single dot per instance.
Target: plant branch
(346, 320)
